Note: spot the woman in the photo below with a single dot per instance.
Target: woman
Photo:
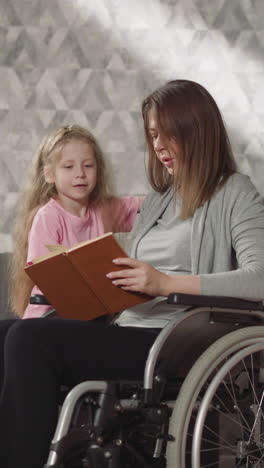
(201, 232)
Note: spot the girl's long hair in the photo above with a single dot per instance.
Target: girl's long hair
(38, 192)
(187, 114)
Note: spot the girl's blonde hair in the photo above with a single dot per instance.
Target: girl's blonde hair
(187, 113)
(38, 192)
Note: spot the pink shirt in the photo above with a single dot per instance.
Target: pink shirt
(52, 224)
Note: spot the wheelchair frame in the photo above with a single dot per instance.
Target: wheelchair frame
(100, 437)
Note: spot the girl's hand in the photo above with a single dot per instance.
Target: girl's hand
(140, 277)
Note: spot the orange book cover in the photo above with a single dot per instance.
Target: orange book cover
(75, 283)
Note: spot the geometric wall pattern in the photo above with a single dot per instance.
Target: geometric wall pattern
(91, 62)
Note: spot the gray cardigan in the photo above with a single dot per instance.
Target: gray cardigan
(227, 238)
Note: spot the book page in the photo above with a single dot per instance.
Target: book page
(81, 244)
(46, 256)
(56, 248)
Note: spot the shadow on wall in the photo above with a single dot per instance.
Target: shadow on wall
(93, 62)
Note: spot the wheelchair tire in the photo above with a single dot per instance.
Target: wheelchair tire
(193, 388)
(248, 420)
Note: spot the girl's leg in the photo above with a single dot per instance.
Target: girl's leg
(43, 354)
(4, 327)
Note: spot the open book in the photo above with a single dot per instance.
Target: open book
(75, 283)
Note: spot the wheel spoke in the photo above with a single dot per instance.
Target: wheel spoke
(218, 445)
(230, 418)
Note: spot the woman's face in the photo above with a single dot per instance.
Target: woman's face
(166, 149)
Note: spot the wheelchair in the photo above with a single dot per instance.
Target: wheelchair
(201, 402)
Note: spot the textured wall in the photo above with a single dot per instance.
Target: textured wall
(92, 61)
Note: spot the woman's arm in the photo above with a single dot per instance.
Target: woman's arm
(246, 226)
(144, 278)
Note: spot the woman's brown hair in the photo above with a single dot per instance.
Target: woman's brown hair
(38, 192)
(188, 114)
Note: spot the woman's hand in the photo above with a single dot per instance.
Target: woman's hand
(140, 277)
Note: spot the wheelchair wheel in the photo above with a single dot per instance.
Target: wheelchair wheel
(215, 451)
(244, 386)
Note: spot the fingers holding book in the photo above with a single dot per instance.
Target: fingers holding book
(140, 277)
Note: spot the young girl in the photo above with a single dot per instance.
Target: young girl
(67, 201)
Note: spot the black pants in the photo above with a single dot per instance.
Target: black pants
(40, 355)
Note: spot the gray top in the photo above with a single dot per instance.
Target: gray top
(227, 243)
(167, 245)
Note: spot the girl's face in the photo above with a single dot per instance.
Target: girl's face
(74, 175)
(166, 149)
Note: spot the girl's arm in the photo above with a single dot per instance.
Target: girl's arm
(124, 211)
(45, 230)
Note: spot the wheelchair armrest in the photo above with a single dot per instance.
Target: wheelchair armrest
(213, 301)
(38, 299)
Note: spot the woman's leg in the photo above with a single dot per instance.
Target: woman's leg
(40, 355)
